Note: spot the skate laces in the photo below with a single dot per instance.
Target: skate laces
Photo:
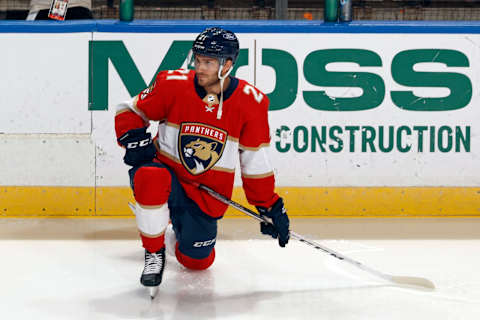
(153, 262)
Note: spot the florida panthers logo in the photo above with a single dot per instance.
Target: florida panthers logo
(200, 146)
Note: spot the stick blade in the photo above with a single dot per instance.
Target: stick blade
(414, 283)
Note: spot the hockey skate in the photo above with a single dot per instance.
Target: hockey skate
(153, 272)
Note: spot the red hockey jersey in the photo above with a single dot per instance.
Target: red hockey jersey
(202, 148)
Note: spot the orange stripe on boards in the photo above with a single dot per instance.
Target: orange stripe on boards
(41, 201)
(374, 201)
(47, 201)
(113, 201)
(383, 201)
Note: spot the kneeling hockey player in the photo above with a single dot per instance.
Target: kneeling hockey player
(207, 120)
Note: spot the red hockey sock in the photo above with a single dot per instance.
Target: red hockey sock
(153, 244)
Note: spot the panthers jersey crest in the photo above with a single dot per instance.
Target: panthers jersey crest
(200, 146)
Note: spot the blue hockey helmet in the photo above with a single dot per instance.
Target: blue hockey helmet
(217, 43)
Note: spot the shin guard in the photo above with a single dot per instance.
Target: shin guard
(152, 186)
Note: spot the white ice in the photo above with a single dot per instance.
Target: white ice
(250, 279)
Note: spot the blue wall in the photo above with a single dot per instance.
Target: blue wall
(254, 26)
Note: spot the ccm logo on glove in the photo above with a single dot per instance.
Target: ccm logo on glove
(143, 143)
(139, 147)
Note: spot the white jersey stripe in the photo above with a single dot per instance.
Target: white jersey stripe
(167, 134)
(132, 106)
(255, 162)
(229, 156)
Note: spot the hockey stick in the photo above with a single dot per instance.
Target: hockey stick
(409, 282)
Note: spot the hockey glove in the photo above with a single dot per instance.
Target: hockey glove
(280, 221)
(138, 145)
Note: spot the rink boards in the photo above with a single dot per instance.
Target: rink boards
(359, 127)
(301, 201)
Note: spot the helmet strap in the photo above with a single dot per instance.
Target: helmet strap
(222, 79)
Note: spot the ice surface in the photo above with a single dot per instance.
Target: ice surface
(250, 279)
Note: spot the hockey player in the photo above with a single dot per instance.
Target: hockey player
(207, 120)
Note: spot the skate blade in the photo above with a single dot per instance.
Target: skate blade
(153, 292)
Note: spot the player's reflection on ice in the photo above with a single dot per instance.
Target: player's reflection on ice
(183, 294)
(194, 294)
(187, 294)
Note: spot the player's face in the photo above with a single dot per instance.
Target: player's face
(206, 69)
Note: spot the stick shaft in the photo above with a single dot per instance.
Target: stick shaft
(294, 235)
